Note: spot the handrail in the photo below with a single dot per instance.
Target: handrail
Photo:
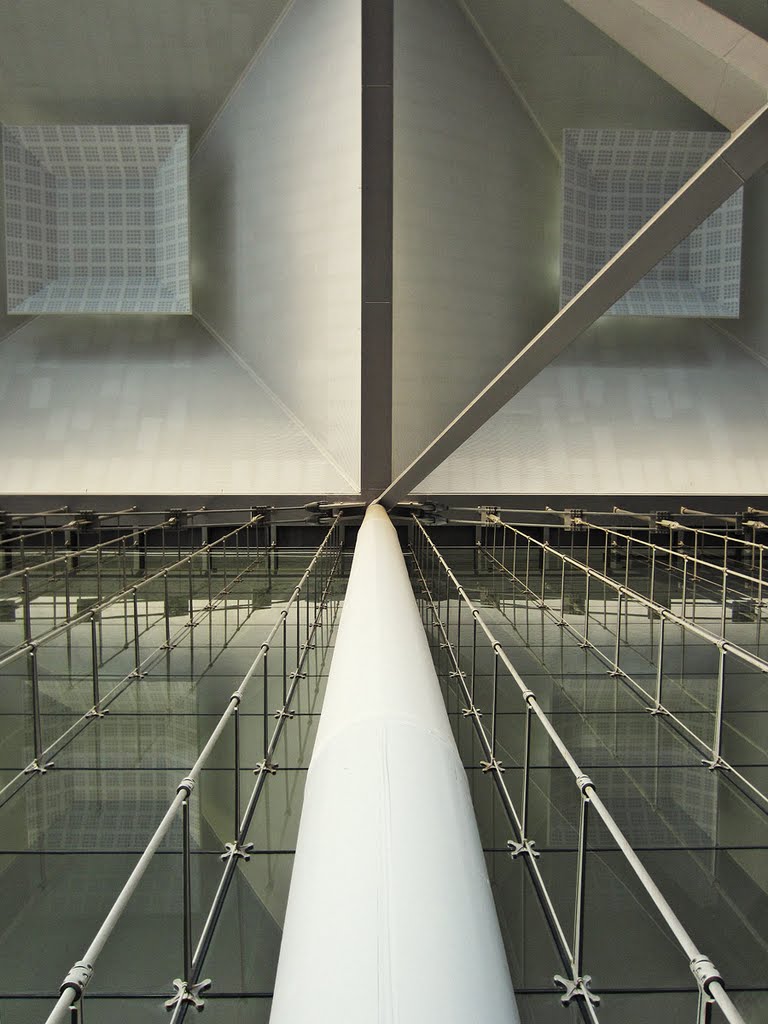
(661, 610)
(707, 977)
(79, 552)
(33, 643)
(102, 701)
(74, 983)
(682, 555)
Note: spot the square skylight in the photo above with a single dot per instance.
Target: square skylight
(97, 218)
(614, 180)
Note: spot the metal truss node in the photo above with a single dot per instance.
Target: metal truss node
(577, 988)
(472, 711)
(37, 769)
(233, 851)
(189, 994)
(266, 766)
(284, 713)
(525, 846)
(493, 765)
(716, 764)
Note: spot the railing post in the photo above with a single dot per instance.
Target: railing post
(96, 710)
(717, 741)
(526, 772)
(724, 605)
(617, 652)
(585, 642)
(136, 644)
(167, 609)
(265, 710)
(187, 889)
(653, 572)
(581, 884)
(495, 701)
(236, 717)
(657, 709)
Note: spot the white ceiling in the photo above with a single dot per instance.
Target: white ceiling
(126, 61)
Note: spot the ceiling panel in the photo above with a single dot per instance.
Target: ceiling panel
(572, 75)
(126, 61)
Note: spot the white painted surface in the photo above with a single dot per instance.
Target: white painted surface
(476, 228)
(276, 222)
(633, 407)
(716, 63)
(143, 405)
(390, 915)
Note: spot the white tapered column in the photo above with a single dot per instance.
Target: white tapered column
(390, 914)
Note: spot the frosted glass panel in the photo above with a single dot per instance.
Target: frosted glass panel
(97, 218)
(614, 180)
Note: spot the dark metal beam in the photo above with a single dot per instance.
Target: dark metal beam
(376, 312)
(741, 157)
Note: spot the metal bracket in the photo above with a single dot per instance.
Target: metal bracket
(485, 512)
(657, 711)
(493, 765)
(37, 769)
(93, 713)
(233, 850)
(573, 520)
(446, 646)
(525, 846)
(307, 647)
(457, 675)
(266, 766)
(186, 993)
(298, 675)
(78, 977)
(705, 972)
(716, 763)
(136, 674)
(472, 710)
(284, 713)
(577, 988)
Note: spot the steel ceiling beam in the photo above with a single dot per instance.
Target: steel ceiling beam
(725, 172)
(377, 221)
(719, 65)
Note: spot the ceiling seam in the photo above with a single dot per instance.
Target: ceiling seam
(737, 341)
(277, 400)
(19, 327)
(510, 80)
(240, 80)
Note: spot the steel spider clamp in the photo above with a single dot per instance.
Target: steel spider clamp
(458, 674)
(472, 712)
(705, 973)
(190, 994)
(716, 764)
(266, 766)
(97, 713)
(232, 851)
(577, 988)
(78, 977)
(494, 765)
(298, 675)
(525, 846)
(35, 768)
(284, 713)
(659, 709)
